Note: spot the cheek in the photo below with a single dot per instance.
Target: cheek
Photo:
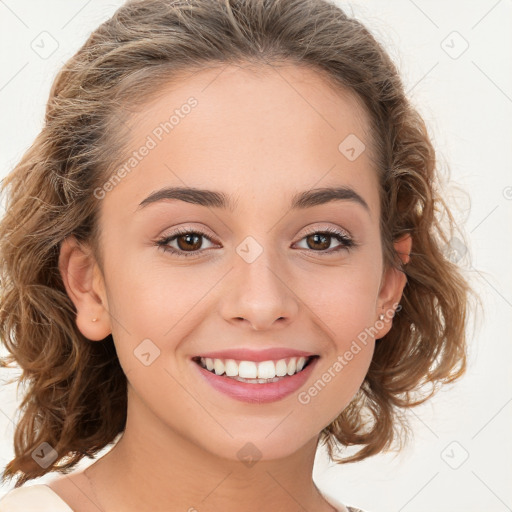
(344, 302)
(154, 308)
(346, 314)
(343, 298)
(148, 297)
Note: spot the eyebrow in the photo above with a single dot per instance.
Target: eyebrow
(213, 199)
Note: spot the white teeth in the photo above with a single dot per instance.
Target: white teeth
(281, 368)
(266, 370)
(218, 366)
(247, 370)
(258, 371)
(231, 368)
(292, 366)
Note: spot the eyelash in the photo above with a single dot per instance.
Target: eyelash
(346, 241)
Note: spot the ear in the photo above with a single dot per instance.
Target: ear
(392, 285)
(85, 286)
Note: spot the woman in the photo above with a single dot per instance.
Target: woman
(222, 250)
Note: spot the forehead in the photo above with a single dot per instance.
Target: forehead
(258, 132)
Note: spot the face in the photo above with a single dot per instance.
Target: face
(186, 276)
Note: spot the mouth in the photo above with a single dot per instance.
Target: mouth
(256, 372)
(256, 382)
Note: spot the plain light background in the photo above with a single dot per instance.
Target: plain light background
(455, 61)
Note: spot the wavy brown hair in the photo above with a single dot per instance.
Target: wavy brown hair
(75, 398)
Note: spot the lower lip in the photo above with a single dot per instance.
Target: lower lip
(257, 393)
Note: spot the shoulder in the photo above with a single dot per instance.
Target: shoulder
(340, 507)
(33, 498)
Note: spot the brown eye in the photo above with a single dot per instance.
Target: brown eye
(319, 241)
(189, 242)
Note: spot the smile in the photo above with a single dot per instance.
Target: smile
(253, 371)
(256, 382)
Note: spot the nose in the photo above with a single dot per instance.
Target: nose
(259, 294)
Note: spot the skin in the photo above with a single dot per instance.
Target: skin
(261, 137)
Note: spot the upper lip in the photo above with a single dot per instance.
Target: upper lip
(245, 354)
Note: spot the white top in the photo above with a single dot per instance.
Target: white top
(33, 498)
(42, 498)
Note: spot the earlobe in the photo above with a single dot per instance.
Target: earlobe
(85, 287)
(392, 286)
